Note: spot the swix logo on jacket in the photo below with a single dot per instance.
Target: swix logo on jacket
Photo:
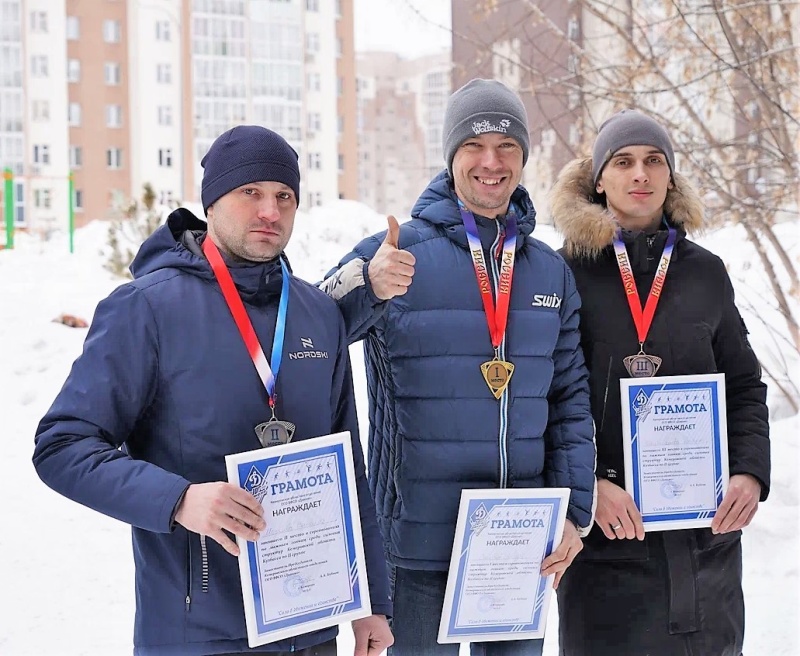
(547, 300)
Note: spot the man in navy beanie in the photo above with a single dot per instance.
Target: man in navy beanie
(474, 369)
(169, 384)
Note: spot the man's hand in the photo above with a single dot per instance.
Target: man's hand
(739, 505)
(208, 508)
(372, 634)
(391, 269)
(558, 561)
(617, 514)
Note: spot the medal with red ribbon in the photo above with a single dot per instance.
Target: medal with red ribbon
(496, 372)
(274, 431)
(643, 365)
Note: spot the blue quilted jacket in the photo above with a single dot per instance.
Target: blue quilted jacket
(435, 427)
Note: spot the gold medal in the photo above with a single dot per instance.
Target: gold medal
(642, 365)
(497, 374)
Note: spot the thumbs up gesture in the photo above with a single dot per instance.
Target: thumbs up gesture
(391, 269)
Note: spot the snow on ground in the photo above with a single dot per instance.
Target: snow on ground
(66, 573)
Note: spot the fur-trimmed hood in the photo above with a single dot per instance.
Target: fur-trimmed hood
(588, 227)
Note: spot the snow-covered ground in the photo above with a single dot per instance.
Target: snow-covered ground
(66, 573)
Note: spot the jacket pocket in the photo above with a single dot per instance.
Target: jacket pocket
(707, 540)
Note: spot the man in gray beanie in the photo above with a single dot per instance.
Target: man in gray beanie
(654, 303)
(182, 367)
(475, 376)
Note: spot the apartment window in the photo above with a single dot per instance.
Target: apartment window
(312, 5)
(114, 158)
(42, 198)
(314, 198)
(77, 200)
(164, 73)
(73, 70)
(39, 21)
(112, 33)
(75, 157)
(314, 121)
(312, 42)
(111, 73)
(314, 161)
(73, 28)
(339, 86)
(341, 162)
(41, 154)
(165, 115)
(338, 8)
(314, 82)
(162, 31)
(113, 116)
(74, 114)
(165, 157)
(338, 47)
(40, 66)
(40, 110)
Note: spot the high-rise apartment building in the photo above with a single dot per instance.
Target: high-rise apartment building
(128, 92)
(400, 116)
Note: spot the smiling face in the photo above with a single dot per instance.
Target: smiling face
(486, 171)
(635, 182)
(253, 222)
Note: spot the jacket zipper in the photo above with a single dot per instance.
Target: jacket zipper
(188, 599)
(203, 564)
(605, 394)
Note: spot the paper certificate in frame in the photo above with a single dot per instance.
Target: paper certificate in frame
(494, 590)
(307, 569)
(675, 442)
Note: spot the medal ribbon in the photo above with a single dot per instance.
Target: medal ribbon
(643, 319)
(496, 315)
(265, 372)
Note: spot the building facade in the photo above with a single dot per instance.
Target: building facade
(131, 92)
(401, 106)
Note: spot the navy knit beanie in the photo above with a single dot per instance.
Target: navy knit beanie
(483, 106)
(629, 128)
(245, 154)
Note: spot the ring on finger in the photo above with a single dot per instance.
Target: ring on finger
(617, 527)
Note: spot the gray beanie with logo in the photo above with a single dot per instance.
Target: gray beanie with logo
(629, 128)
(482, 106)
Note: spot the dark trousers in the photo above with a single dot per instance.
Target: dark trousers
(325, 649)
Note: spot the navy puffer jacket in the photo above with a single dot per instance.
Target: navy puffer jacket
(435, 428)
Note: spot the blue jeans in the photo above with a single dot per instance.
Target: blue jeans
(418, 600)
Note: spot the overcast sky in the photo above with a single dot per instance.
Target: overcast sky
(408, 27)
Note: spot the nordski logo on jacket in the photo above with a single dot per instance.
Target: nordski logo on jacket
(547, 300)
(308, 351)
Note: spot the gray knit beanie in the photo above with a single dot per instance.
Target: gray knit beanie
(483, 106)
(245, 154)
(629, 128)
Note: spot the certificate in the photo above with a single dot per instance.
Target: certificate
(495, 590)
(675, 441)
(306, 571)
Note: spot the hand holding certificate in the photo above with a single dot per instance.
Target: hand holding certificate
(675, 442)
(306, 571)
(495, 590)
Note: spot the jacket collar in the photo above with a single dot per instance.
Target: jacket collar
(438, 205)
(588, 228)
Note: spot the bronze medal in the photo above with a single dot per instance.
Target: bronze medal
(275, 432)
(497, 374)
(642, 365)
